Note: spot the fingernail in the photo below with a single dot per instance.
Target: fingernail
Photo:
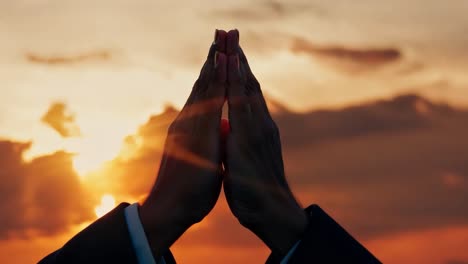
(216, 59)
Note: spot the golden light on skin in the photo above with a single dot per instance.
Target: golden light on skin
(107, 204)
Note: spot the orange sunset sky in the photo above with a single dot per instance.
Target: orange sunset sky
(371, 98)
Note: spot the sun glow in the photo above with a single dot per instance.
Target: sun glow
(85, 162)
(93, 152)
(107, 204)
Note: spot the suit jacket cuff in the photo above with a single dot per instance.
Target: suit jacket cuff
(325, 241)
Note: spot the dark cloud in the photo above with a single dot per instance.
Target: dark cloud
(350, 59)
(71, 59)
(383, 167)
(58, 118)
(341, 58)
(399, 114)
(41, 196)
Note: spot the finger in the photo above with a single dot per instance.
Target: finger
(232, 42)
(220, 69)
(261, 115)
(237, 99)
(219, 44)
(245, 97)
(238, 102)
(208, 70)
(209, 90)
(253, 87)
(220, 40)
(212, 98)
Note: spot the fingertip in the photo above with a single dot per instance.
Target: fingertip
(220, 40)
(232, 42)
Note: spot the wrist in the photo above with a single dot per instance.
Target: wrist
(282, 231)
(162, 226)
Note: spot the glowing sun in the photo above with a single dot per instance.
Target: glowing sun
(107, 204)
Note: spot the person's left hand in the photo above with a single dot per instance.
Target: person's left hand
(254, 182)
(189, 179)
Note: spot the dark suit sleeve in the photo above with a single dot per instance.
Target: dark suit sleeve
(325, 241)
(105, 241)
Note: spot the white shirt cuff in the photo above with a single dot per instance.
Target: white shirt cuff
(138, 236)
(290, 253)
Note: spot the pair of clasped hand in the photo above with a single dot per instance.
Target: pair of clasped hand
(203, 151)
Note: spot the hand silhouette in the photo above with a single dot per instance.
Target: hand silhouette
(254, 181)
(191, 173)
(189, 179)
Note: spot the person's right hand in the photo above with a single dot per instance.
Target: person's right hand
(254, 181)
(189, 178)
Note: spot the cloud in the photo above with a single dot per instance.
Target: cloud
(41, 196)
(134, 170)
(399, 114)
(340, 58)
(58, 118)
(388, 166)
(353, 60)
(71, 59)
